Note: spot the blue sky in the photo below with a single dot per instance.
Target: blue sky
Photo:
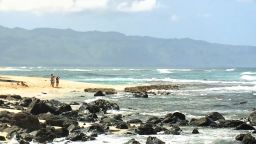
(221, 21)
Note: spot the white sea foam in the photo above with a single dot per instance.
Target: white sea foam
(13, 69)
(233, 88)
(227, 89)
(248, 78)
(232, 69)
(248, 73)
(184, 70)
(210, 70)
(164, 71)
(115, 69)
(137, 69)
(137, 80)
(77, 70)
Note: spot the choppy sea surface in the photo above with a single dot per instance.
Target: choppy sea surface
(232, 92)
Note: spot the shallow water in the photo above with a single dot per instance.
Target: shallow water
(232, 92)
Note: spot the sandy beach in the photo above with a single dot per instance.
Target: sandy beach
(40, 87)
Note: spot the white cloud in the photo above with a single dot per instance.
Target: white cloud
(137, 5)
(50, 6)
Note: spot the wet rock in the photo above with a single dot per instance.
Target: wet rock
(2, 138)
(1, 102)
(240, 137)
(17, 107)
(252, 118)
(122, 125)
(145, 129)
(70, 114)
(78, 136)
(132, 141)
(154, 140)
(175, 130)
(134, 121)
(141, 95)
(74, 103)
(98, 106)
(93, 135)
(175, 118)
(57, 120)
(91, 108)
(63, 108)
(11, 131)
(3, 126)
(195, 131)
(26, 121)
(118, 117)
(230, 123)
(105, 105)
(14, 97)
(204, 121)
(248, 139)
(97, 128)
(99, 93)
(3, 96)
(139, 89)
(43, 106)
(89, 118)
(159, 128)
(168, 118)
(215, 116)
(109, 121)
(61, 132)
(107, 91)
(23, 142)
(244, 126)
(38, 107)
(45, 135)
(154, 120)
(26, 137)
(22, 120)
(25, 102)
(5, 116)
(179, 116)
(73, 127)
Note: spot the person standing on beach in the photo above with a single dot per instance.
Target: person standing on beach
(52, 80)
(57, 81)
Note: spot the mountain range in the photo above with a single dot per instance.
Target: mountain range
(66, 47)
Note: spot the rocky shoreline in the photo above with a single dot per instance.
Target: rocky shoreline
(45, 120)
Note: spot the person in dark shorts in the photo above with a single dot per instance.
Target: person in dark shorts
(57, 81)
(52, 80)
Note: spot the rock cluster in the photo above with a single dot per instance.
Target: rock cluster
(143, 89)
(105, 91)
(45, 120)
(59, 120)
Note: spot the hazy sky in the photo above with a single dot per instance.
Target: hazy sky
(222, 21)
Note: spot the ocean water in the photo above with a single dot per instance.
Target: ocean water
(232, 92)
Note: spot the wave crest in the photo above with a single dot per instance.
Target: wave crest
(248, 78)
